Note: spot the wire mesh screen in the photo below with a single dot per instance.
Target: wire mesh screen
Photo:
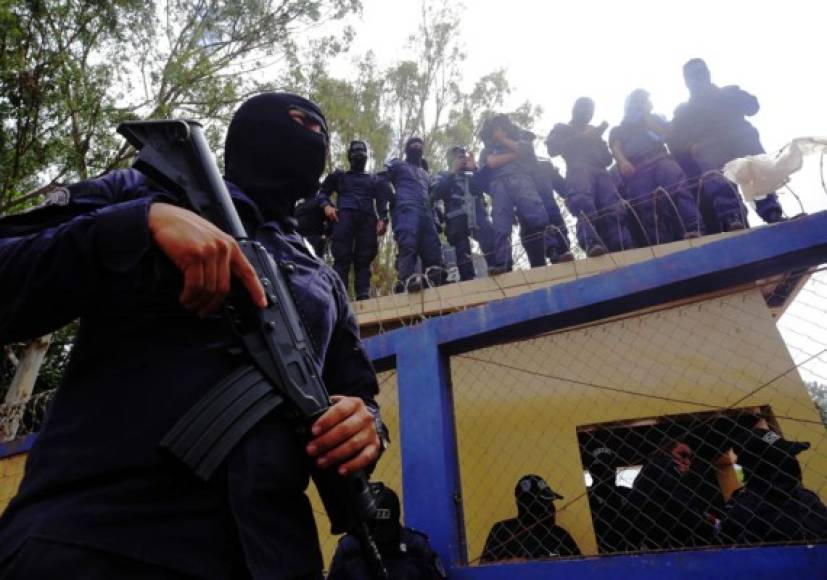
(689, 426)
(388, 469)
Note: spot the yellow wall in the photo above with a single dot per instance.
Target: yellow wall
(512, 422)
(11, 472)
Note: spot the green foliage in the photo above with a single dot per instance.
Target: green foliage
(70, 70)
(818, 392)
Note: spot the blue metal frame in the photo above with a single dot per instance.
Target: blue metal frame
(420, 354)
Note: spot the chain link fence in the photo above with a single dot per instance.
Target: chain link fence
(695, 425)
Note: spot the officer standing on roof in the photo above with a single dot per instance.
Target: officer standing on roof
(451, 189)
(508, 163)
(710, 130)
(353, 218)
(412, 218)
(146, 277)
(656, 186)
(591, 195)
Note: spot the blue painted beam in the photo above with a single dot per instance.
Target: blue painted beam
(17, 446)
(430, 472)
(759, 563)
(765, 252)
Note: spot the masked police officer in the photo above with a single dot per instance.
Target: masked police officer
(655, 185)
(146, 278)
(412, 218)
(591, 195)
(710, 130)
(533, 534)
(355, 226)
(406, 553)
(508, 162)
(452, 188)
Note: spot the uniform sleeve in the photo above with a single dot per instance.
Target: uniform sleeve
(381, 195)
(557, 139)
(569, 546)
(347, 368)
(494, 545)
(52, 277)
(742, 102)
(329, 185)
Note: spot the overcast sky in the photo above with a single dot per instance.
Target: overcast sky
(555, 52)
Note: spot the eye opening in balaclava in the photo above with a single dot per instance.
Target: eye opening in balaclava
(357, 155)
(274, 159)
(582, 112)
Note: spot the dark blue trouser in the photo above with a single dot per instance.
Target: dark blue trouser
(415, 233)
(518, 192)
(457, 234)
(557, 234)
(594, 200)
(661, 201)
(353, 241)
(712, 154)
(484, 234)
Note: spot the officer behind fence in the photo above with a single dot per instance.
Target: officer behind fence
(773, 505)
(655, 185)
(508, 162)
(353, 217)
(98, 500)
(664, 510)
(549, 180)
(533, 533)
(451, 189)
(406, 553)
(591, 195)
(710, 129)
(412, 218)
(607, 501)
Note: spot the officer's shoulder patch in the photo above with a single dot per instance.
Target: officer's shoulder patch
(57, 196)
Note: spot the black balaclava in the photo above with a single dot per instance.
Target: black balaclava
(357, 155)
(272, 158)
(637, 105)
(386, 527)
(769, 460)
(413, 155)
(582, 112)
(535, 500)
(696, 75)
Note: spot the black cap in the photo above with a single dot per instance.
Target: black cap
(535, 487)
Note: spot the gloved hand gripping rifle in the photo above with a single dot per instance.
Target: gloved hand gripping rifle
(281, 369)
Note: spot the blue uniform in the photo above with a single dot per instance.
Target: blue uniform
(591, 196)
(94, 477)
(711, 129)
(512, 188)
(413, 223)
(353, 238)
(658, 191)
(449, 190)
(412, 559)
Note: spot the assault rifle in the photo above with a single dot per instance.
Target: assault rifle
(281, 368)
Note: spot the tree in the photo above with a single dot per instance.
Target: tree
(71, 70)
(818, 392)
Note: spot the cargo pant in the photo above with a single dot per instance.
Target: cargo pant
(518, 192)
